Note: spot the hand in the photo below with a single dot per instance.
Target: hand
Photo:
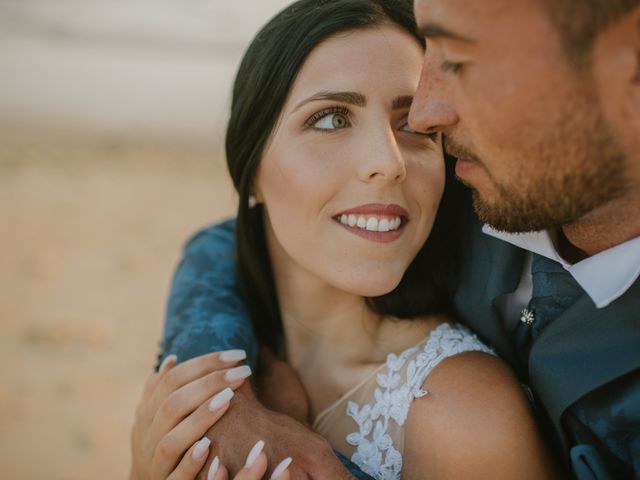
(248, 421)
(279, 388)
(178, 405)
(254, 468)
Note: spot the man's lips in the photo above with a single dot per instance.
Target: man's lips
(464, 166)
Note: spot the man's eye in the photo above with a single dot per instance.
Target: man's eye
(433, 136)
(452, 67)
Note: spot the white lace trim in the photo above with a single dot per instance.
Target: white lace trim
(376, 454)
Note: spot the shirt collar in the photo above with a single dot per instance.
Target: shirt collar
(605, 276)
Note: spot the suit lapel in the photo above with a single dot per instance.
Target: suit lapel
(492, 268)
(585, 348)
(580, 351)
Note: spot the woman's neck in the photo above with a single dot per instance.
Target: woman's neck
(328, 325)
(316, 315)
(333, 338)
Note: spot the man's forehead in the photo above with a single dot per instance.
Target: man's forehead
(466, 10)
(474, 19)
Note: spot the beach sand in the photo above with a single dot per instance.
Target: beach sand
(91, 230)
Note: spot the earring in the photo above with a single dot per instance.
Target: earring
(252, 202)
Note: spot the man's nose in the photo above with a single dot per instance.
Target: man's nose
(432, 109)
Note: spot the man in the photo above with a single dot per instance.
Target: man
(540, 102)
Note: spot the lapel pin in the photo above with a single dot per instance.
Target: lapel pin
(527, 317)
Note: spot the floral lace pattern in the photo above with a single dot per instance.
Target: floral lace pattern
(376, 454)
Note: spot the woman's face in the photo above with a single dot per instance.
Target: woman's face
(350, 191)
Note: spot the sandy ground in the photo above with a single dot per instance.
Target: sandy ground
(91, 230)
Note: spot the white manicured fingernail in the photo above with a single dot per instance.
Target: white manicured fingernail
(202, 447)
(238, 373)
(220, 399)
(164, 366)
(253, 454)
(282, 466)
(233, 355)
(213, 469)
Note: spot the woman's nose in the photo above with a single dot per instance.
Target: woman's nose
(383, 161)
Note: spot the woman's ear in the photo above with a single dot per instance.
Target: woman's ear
(255, 198)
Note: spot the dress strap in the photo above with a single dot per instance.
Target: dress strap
(378, 439)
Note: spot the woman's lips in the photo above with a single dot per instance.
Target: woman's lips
(378, 209)
(374, 221)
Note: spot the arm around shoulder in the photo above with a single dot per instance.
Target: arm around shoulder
(475, 423)
(205, 312)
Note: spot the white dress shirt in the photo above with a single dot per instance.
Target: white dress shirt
(605, 276)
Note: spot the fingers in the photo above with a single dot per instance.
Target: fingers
(152, 381)
(221, 473)
(143, 414)
(191, 370)
(172, 445)
(168, 363)
(281, 472)
(257, 463)
(186, 399)
(216, 471)
(192, 461)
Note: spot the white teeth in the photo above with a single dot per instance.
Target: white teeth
(373, 224)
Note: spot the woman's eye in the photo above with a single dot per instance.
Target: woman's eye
(332, 121)
(334, 118)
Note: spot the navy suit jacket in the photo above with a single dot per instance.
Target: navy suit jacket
(582, 351)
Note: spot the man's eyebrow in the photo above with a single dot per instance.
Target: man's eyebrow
(404, 101)
(433, 30)
(352, 98)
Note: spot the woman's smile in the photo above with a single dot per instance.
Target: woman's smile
(374, 221)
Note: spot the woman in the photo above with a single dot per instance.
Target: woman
(337, 198)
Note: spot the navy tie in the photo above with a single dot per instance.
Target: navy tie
(554, 290)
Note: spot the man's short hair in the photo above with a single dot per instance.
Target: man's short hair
(580, 21)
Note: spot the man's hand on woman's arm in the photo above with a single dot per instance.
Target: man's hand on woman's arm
(205, 314)
(249, 420)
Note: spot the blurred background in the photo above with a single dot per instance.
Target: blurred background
(112, 116)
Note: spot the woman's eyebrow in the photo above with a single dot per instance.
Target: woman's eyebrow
(352, 98)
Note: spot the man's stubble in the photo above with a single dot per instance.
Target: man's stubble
(577, 167)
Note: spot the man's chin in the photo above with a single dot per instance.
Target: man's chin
(511, 217)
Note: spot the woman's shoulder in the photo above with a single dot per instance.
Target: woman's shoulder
(474, 419)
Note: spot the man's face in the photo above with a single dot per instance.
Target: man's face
(524, 122)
